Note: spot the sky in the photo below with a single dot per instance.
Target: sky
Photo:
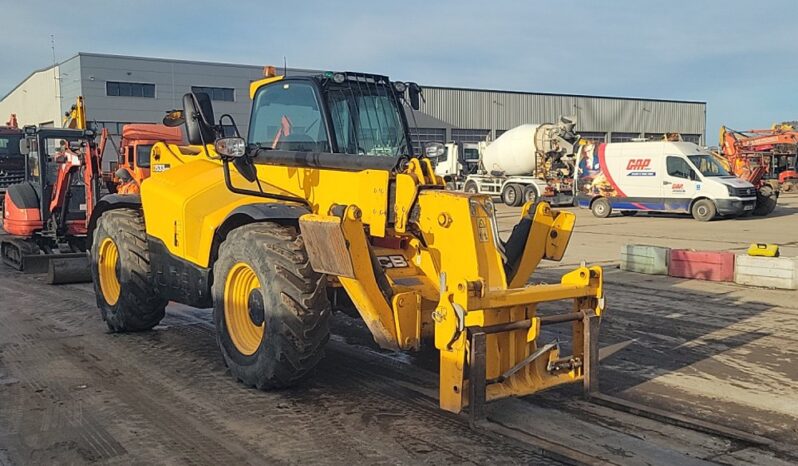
(738, 56)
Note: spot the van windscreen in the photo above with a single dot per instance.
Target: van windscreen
(707, 165)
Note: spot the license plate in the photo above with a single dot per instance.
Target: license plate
(748, 207)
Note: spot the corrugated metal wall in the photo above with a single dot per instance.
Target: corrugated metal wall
(477, 109)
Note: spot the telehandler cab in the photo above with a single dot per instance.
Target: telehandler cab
(327, 197)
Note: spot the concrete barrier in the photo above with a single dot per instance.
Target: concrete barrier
(716, 266)
(645, 259)
(769, 272)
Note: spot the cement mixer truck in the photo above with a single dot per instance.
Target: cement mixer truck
(530, 162)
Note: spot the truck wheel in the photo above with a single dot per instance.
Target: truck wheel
(120, 269)
(704, 210)
(270, 308)
(601, 208)
(765, 205)
(512, 195)
(787, 186)
(530, 194)
(471, 187)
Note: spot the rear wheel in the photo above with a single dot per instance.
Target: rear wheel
(512, 194)
(270, 308)
(120, 269)
(530, 194)
(601, 208)
(471, 187)
(704, 210)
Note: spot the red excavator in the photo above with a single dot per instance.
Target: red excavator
(45, 216)
(765, 158)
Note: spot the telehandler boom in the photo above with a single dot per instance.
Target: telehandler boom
(327, 199)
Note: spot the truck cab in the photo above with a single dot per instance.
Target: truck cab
(659, 176)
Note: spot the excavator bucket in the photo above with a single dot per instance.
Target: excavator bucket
(61, 268)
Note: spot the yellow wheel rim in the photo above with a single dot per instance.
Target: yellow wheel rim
(243, 308)
(107, 265)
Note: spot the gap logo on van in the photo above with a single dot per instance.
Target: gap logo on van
(640, 167)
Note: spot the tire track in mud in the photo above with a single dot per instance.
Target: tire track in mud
(165, 396)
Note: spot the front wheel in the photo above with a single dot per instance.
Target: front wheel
(601, 208)
(765, 205)
(270, 308)
(471, 187)
(120, 269)
(704, 210)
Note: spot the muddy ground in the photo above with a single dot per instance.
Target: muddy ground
(70, 392)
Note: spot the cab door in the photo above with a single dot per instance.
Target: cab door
(680, 183)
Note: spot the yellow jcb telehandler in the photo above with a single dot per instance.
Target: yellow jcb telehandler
(325, 198)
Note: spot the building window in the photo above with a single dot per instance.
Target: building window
(624, 137)
(593, 136)
(225, 94)
(421, 136)
(469, 135)
(120, 89)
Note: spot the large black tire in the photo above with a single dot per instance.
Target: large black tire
(290, 306)
(530, 194)
(513, 194)
(704, 210)
(765, 205)
(471, 187)
(601, 207)
(135, 307)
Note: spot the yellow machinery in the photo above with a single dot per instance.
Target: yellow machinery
(325, 202)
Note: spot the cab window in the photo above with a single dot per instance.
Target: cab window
(143, 155)
(287, 116)
(679, 168)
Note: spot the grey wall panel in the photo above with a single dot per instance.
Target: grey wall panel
(503, 110)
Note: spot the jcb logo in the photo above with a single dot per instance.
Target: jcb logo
(392, 262)
(638, 164)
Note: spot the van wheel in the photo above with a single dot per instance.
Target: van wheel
(704, 210)
(471, 187)
(601, 208)
(512, 195)
(530, 194)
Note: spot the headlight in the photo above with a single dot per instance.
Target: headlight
(339, 78)
(399, 87)
(731, 190)
(230, 147)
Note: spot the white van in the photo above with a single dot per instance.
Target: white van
(658, 177)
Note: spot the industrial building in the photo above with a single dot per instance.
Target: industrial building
(124, 89)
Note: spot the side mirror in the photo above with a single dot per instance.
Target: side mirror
(433, 150)
(198, 114)
(24, 146)
(414, 93)
(174, 118)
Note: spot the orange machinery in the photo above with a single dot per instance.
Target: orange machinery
(133, 165)
(45, 216)
(765, 158)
